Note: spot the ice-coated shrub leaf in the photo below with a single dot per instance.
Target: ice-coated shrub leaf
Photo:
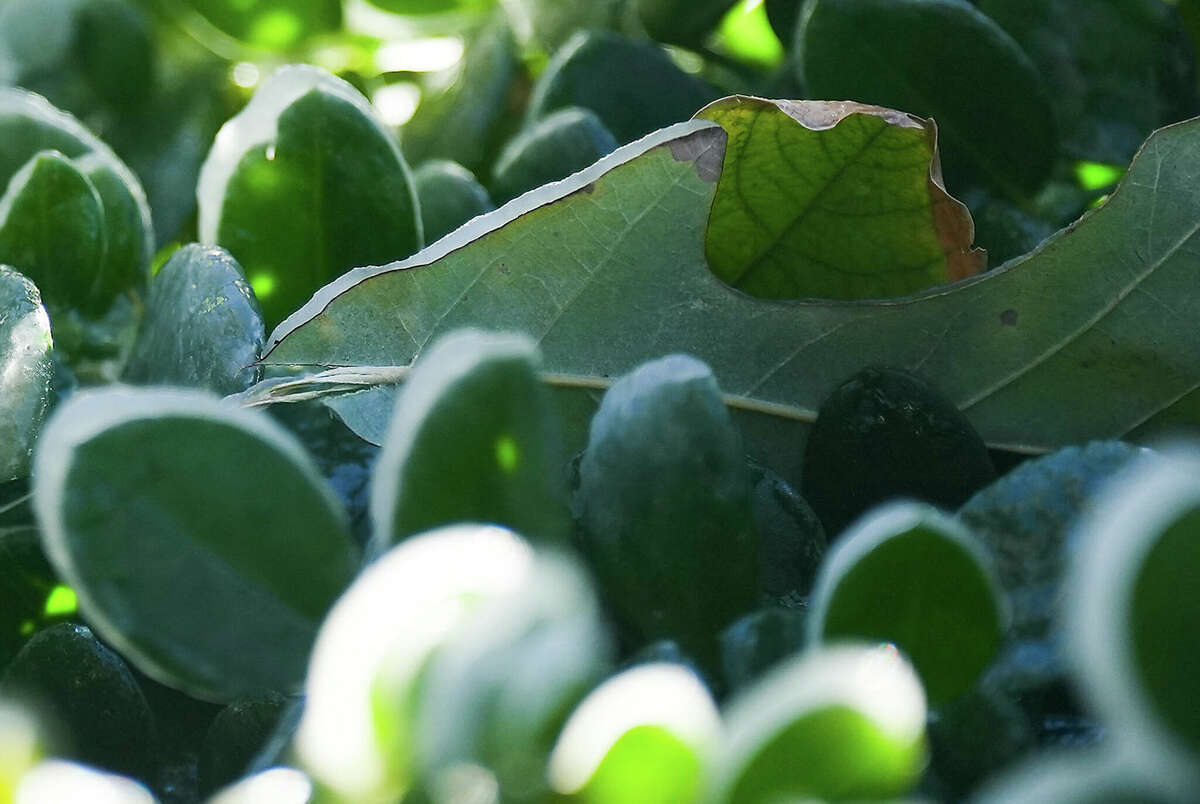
(663, 506)
(909, 575)
(1070, 343)
(357, 734)
(633, 87)
(644, 736)
(27, 371)
(472, 439)
(450, 196)
(174, 515)
(561, 143)
(202, 327)
(942, 59)
(833, 201)
(843, 722)
(304, 184)
(1109, 65)
(30, 126)
(1131, 607)
(497, 692)
(1024, 520)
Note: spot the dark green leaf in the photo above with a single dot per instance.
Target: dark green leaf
(553, 148)
(450, 196)
(166, 550)
(838, 723)
(271, 24)
(633, 87)
(1082, 777)
(833, 201)
(942, 59)
(1107, 64)
(909, 575)
(682, 22)
(52, 230)
(472, 439)
(27, 370)
(202, 327)
(303, 185)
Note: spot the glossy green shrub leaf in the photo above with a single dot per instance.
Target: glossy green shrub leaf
(837, 723)
(791, 540)
(202, 327)
(942, 59)
(357, 733)
(644, 736)
(495, 694)
(833, 201)
(1066, 345)
(472, 439)
(27, 370)
(552, 148)
(1131, 603)
(1108, 65)
(271, 24)
(304, 184)
(450, 196)
(633, 87)
(1025, 518)
(467, 115)
(909, 575)
(214, 522)
(235, 736)
(755, 643)
(664, 506)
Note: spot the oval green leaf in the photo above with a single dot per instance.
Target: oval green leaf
(202, 327)
(909, 575)
(837, 723)
(942, 59)
(644, 736)
(304, 184)
(450, 196)
(1131, 609)
(834, 201)
(472, 439)
(173, 515)
(26, 371)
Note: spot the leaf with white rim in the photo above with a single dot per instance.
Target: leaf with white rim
(355, 734)
(645, 735)
(846, 721)
(1131, 608)
(59, 780)
(20, 746)
(910, 575)
(215, 521)
(303, 184)
(276, 785)
(25, 370)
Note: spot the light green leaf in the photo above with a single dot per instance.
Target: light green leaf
(305, 183)
(166, 550)
(52, 230)
(644, 736)
(1131, 606)
(472, 439)
(202, 327)
(838, 723)
(942, 59)
(270, 24)
(1090, 337)
(833, 201)
(26, 371)
(909, 575)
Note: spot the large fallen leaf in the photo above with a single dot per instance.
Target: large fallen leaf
(1091, 336)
